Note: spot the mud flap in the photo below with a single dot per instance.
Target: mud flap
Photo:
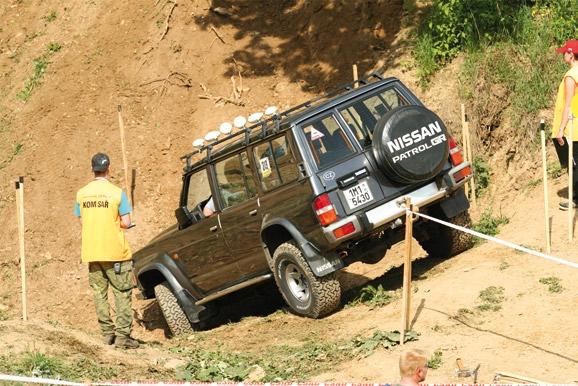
(321, 265)
(455, 204)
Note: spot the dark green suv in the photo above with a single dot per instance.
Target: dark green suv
(301, 194)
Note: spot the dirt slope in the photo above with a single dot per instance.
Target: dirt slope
(172, 66)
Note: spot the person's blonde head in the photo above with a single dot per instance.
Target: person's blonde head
(412, 360)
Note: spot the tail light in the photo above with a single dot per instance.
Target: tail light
(463, 173)
(324, 209)
(455, 153)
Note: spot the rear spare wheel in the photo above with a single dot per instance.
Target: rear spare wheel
(410, 144)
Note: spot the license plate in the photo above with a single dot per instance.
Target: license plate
(358, 195)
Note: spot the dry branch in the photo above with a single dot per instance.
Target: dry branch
(217, 33)
(167, 21)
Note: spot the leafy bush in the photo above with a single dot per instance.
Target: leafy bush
(374, 297)
(488, 224)
(482, 175)
(436, 360)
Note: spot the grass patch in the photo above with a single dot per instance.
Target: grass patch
(3, 315)
(504, 265)
(16, 149)
(281, 363)
(491, 299)
(40, 65)
(36, 364)
(482, 174)
(553, 284)
(50, 17)
(554, 170)
(436, 360)
(489, 225)
(374, 297)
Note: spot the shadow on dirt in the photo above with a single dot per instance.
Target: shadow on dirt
(317, 41)
(265, 299)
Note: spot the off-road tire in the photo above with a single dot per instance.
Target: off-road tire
(174, 315)
(444, 242)
(324, 293)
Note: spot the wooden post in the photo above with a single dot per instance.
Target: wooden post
(465, 144)
(355, 78)
(545, 184)
(406, 292)
(570, 140)
(20, 215)
(470, 158)
(123, 147)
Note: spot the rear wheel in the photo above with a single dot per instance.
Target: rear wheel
(441, 241)
(174, 315)
(304, 292)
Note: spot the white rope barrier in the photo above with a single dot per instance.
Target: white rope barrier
(499, 241)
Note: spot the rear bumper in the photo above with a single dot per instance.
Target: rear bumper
(390, 211)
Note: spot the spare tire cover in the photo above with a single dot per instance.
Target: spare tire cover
(410, 144)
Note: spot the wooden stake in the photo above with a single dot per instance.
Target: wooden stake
(464, 145)
(406, 305)
(545, 184)
(570, 179)
(355, 78)
(123, 148)
(20, 215)
(470, 158)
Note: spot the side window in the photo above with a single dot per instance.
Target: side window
(327, 141)
(232, 181)
(266, 166)
(199, 189)
(276, 163)
(285, 160)
(363, 115)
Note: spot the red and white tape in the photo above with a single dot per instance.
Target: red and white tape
(499, 241)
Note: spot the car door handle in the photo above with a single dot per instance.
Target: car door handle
(214, 228)
(253, 212)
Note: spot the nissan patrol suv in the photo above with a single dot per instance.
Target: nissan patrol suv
(300, 194)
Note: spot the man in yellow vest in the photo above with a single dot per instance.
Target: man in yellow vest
(565, 109)
(104, 212)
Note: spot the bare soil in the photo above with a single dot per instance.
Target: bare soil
(172, 66)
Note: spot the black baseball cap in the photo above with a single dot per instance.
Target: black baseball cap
(100, 162)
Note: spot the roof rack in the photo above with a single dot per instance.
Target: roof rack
(276, 119)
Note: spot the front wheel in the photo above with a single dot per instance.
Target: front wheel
(304, 292)
(174, 315)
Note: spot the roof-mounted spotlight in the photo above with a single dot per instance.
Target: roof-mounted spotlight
(198, 143)
(271, 110)
(255, 117)
(226, 128)
(212, 136)
(239, 122)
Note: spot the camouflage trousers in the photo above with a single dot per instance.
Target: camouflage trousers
(101, 275)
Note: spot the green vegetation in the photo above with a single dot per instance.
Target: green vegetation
(491, 299)
(374, 297)
(4, 315)
(554, 169)
(488, 224)
(553, 284)
(281, 363)
(40, 66)
(482, 173)
(16, 149)
(436, 360)
(50, 17)
(37, 364)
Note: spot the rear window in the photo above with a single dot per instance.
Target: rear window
(327, 141)
(362, 115)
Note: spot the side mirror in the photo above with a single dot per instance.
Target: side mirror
(184, 217)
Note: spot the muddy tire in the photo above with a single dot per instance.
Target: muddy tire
(443, 242)
(174, 315)
(304, 292)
